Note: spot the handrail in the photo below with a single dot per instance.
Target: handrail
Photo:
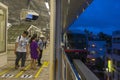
(85, 73)
(71, 72)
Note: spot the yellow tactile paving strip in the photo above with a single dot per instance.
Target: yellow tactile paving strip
(42, 73)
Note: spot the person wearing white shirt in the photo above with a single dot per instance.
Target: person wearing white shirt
(21, 50)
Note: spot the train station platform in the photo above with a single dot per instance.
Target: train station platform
(8, 72)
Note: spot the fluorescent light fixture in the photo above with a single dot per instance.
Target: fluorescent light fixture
(47, 5)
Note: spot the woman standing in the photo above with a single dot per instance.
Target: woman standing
(34, 51)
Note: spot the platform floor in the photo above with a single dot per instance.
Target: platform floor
(8, 72)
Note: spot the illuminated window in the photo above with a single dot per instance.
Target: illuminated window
(100, 49)
(93, 52)
(2, 31)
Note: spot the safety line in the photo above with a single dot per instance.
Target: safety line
(5, 71)
(39, 71)
(46, 64)
(21, 72)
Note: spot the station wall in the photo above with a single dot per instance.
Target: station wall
(3, 34)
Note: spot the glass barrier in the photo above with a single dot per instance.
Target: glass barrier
(68, 70)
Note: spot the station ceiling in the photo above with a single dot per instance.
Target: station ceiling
(71, 9)
(15, 6)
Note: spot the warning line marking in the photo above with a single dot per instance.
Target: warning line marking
(5, 71)
(39, 71)
(46, 64)
(21, 72)
(7, 75)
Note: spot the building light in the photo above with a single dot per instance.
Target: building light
(109, 66)
(47, 5)
(92, 52)
(100, 49)
(93, 59)
(107, 69)
(84, 48)
(93, 45)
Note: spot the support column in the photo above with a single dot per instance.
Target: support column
(55, 40)
(58, 41)
(52, 38)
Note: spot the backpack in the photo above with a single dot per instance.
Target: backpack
(19, 37)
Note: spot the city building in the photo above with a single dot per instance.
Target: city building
(116, 55)
(96, 57)
(97, 49)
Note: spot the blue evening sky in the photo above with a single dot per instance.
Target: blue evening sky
(101, 15)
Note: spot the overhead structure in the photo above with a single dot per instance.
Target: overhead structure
(71, 9)
(37, 5)
(28, 15)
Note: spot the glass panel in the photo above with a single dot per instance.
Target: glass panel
(2, 31)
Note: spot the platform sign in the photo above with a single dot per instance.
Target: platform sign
(26, 76)
(7, 75)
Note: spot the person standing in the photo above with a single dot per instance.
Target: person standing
(34, 51)
(45, 43)
(41, 45)
(21, 50)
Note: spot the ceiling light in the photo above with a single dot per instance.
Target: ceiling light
(49, 13)
(47, 5)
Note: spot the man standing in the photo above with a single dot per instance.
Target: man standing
(21, 50)
(41, 45)
(45, 43)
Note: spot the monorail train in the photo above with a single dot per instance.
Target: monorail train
(76, 43)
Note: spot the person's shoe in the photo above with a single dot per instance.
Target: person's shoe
(23, 69)
(16, 66)
(40, 64)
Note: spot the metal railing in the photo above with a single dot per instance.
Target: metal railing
(68, 70)
(75, 70)
(84, 71)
